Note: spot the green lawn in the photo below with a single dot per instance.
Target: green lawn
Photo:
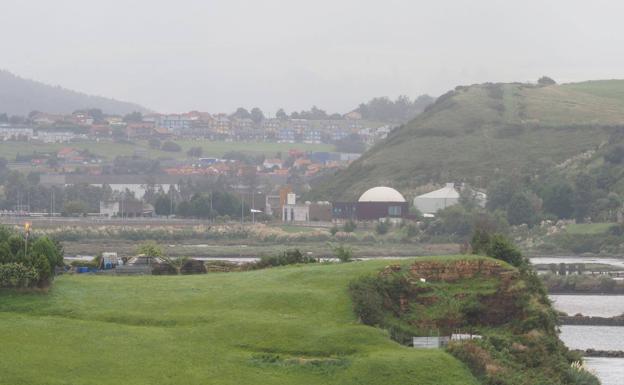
(109, 150)
(588, 228)
(208, 329)
(299, 229)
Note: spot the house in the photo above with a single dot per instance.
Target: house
(353, 115)
(174, 123)
(377, 203)
(320, 211)
(312, 136)
(269, 164)
(221, 124)
(56, 136)
(125, 208)
(15, 133)
(67, 153)
(100, 130)
(286, 135)
(293, 212)
(140, 130)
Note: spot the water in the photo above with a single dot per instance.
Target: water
(590, 305)
(619, 262)
(593, 337)
(610, 371)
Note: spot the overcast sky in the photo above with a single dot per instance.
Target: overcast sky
(215, 55)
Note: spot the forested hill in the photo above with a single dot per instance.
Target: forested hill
(20, 96)
(479, 132)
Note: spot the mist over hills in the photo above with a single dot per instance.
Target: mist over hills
(483, 131)
(20, 96)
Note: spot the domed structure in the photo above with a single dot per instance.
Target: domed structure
(382, 194)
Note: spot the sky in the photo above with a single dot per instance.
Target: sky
(216, 55)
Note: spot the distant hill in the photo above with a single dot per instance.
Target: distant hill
(477, 132)
(20, 96)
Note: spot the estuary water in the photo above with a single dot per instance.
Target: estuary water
(610, 371)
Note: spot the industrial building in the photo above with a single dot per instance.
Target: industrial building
(376, 203)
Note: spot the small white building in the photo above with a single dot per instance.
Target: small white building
(15, 133)
(447, 196)
(293, 212)
(434, 201)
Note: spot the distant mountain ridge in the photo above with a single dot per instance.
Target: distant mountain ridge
(479, 132)
(19, 96)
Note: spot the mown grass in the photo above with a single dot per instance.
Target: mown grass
(290, 325)
(482, 132)
(588, 228)
(109, 150)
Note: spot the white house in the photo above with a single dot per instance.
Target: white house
(434, 201)
(447, 196)
(293, 212)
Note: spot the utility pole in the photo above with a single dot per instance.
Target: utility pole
(52, 204)
(26, 234)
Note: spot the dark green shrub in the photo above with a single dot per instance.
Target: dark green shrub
(349, 226)
(290, 257)
(367, 300)
(343, 253)
(17, 275)
(382, 228)
(501, 248)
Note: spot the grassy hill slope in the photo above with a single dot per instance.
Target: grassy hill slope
(20, 96)
(475, 132)
(291, 325)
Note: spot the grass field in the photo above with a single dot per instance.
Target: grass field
(588, 228)
(291, 325)
(109, 150)
(483, 131)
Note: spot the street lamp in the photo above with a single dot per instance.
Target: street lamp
(26, 235)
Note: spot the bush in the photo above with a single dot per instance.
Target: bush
(578, 375)
(501, 248)
(171, 147)
(333, 230)
(290, 257)
(16, 275)
(367, 300)
(343, 253)
(349, 226)
(382, 227)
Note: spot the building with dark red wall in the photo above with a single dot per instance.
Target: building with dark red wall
(376, 203)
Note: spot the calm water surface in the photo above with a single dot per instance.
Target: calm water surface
(593, 337)
(610, 371)
(556, 260)
(590, 305)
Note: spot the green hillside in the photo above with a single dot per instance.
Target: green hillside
(476, 132)
(291, 325)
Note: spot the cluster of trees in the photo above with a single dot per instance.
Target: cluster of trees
(383, 109)
(29, 264)
(400, 110)
(20, 191)
(525, 202)
(200, 205)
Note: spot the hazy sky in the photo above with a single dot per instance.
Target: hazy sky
(215, 55)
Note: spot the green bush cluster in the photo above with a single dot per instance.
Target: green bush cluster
(16, 275)
(290, 257)
(519, 344)
(496, 246)
(34, 267)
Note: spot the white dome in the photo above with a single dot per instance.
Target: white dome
(381, 194)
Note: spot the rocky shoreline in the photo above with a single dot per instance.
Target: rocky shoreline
(601, 353)
(591, 321)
